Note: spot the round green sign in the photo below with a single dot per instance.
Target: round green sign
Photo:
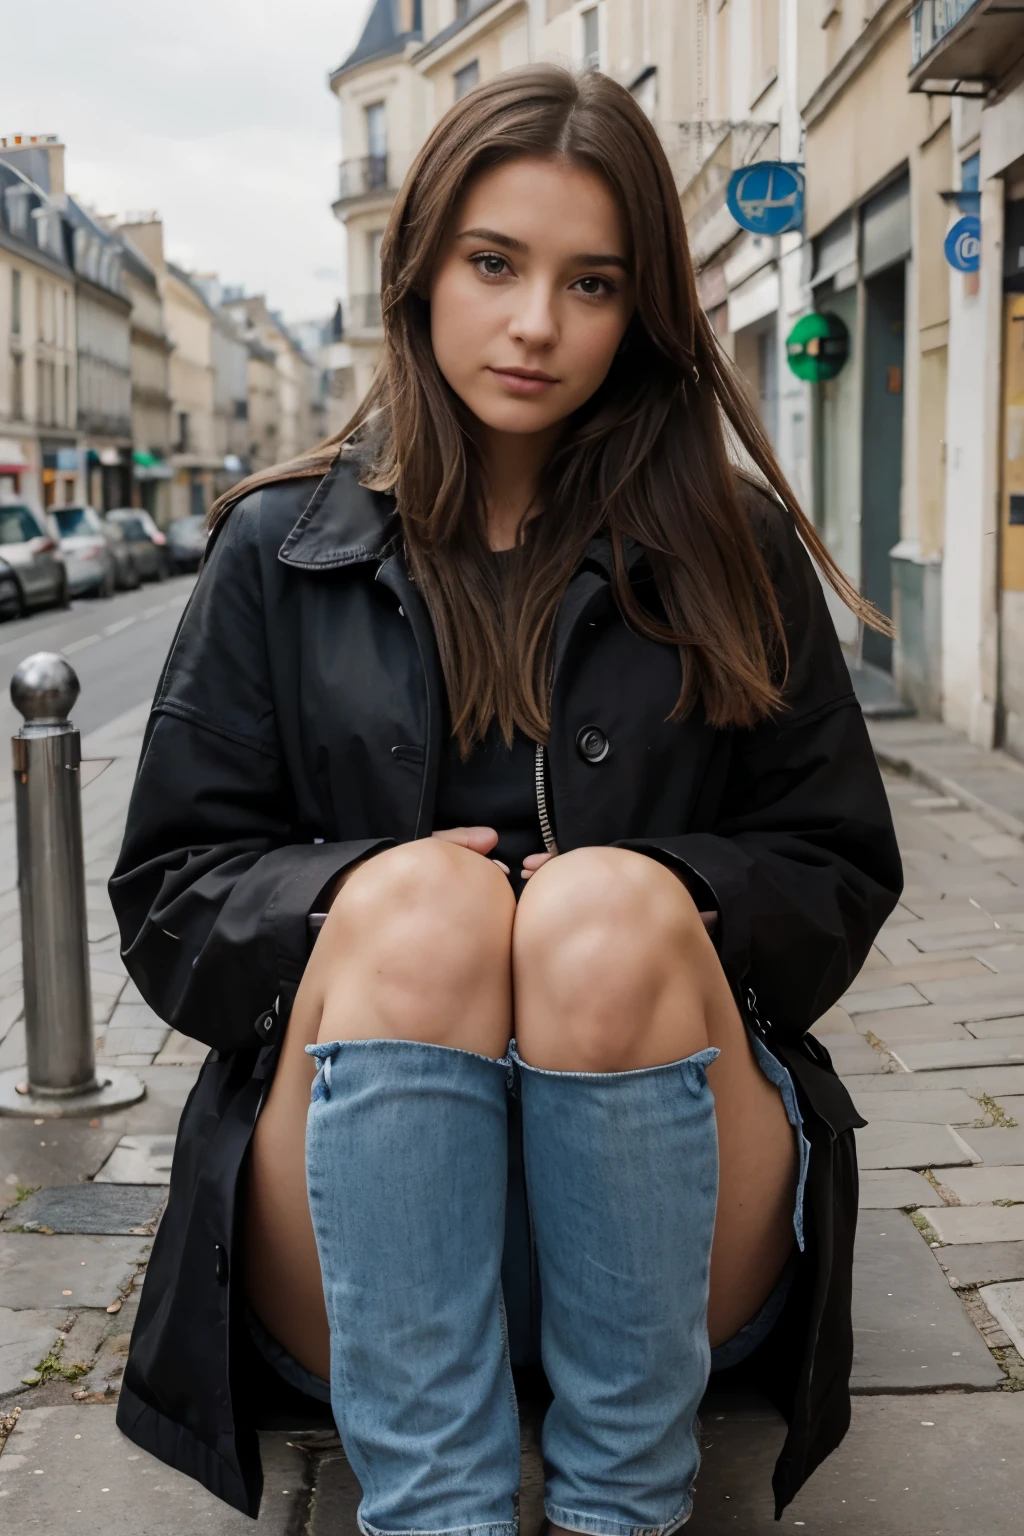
(817, 347)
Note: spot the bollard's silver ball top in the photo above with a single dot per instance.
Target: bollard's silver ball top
(44, 688)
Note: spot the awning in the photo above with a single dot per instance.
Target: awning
(148, 466)
(12, 458)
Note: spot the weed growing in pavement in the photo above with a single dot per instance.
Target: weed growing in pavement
(926, 1229)
(52, 1365)
(996, 1114)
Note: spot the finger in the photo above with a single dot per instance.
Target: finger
(503, 867)
(477, 839)
(535, 860)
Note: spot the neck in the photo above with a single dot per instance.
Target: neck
(512, 465)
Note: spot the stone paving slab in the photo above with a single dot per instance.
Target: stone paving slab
(912, 1145)
(25, 1338)
(991, 1080)
(1006, 960)
(103, 1209)
(1012, 1105)
(181, 1051)
(919, 970)
(896, 1189)
(909, 1466)
(1006, 1303)
(139, 1160)
(56, 1152)
(911, 1333)
(982, 1263)
(977, 1186)
(997, 1146)
(997, 1029)
(974, 989)
(883, 998)
(918, 1056)
(948, 1106)
(39, 1271)
(852, 1054)
(158, 1113)
(978, 1223)
(71, 1469)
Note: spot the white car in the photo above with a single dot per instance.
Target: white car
(30, 550)
(90, 562)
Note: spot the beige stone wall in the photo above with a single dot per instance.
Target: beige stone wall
(867, 132)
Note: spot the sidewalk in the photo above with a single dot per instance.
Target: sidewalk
(930, 1039)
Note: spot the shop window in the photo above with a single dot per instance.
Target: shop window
(467, 78)
(15, 303)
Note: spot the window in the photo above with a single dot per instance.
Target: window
(18, 525)
(466, 79)
(181, 446)
(591, 40)
(462, 10)
(17, 386)
(376, 131)
(970, 171)
(15, 303)
(374, 241)
(67, 396)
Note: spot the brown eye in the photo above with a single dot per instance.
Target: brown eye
(594, 287)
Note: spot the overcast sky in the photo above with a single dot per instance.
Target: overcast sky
(217, 113)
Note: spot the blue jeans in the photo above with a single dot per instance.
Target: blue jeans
(409, 1172)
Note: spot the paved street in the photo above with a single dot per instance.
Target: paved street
(930, 1039)
(116, 645)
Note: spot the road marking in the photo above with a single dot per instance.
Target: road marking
(151, 613)
(119, 624)
(81, 645)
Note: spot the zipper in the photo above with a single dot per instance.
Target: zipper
(542, 800)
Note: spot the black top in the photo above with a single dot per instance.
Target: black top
(494, 787)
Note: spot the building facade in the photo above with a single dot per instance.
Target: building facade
(40, 461)
(150, 381)
(296, 384)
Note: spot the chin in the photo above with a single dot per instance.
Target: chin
(517, 418)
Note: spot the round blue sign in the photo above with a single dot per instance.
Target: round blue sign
(767, 198)
(963, 244)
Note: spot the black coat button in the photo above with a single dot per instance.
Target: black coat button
(264, 1025)
(220, 1257)
(591, 744)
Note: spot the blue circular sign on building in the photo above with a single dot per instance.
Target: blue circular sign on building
(767, 198)
(963, 244)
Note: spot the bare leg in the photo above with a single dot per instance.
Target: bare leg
(416, 947)
(613, 970)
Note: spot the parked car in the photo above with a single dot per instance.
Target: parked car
(146, 544)
(186, 541)
(30, 549)
(10, 592)
(88, 552)
(126, 574)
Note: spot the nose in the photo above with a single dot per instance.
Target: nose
(534, 322)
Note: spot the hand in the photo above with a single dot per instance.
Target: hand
(476, 839)
(535, 861)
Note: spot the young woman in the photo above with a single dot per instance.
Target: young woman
(528, 689)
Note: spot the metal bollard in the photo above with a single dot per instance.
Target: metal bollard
(62, 1078)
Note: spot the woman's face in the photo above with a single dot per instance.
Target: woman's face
(531, 294)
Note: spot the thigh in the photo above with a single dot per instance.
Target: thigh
(758, 1173)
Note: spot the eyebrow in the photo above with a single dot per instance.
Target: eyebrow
(584, 259)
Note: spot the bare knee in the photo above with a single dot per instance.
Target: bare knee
(417, 947)
(607, 950)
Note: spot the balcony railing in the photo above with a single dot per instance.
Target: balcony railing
(964, 45)
(363, 313)
(362, 177)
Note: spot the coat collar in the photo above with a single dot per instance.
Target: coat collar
(343, 523)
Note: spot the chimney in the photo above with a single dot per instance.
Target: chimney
(146, 231)
(39, 155)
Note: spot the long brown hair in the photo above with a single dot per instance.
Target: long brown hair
(645, 459)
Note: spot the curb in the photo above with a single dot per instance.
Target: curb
(912, 768)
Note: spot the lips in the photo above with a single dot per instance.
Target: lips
(523, 381)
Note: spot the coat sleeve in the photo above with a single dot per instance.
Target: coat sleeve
(800, 857)
(215, 879)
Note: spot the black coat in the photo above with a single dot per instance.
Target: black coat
(298, 726)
